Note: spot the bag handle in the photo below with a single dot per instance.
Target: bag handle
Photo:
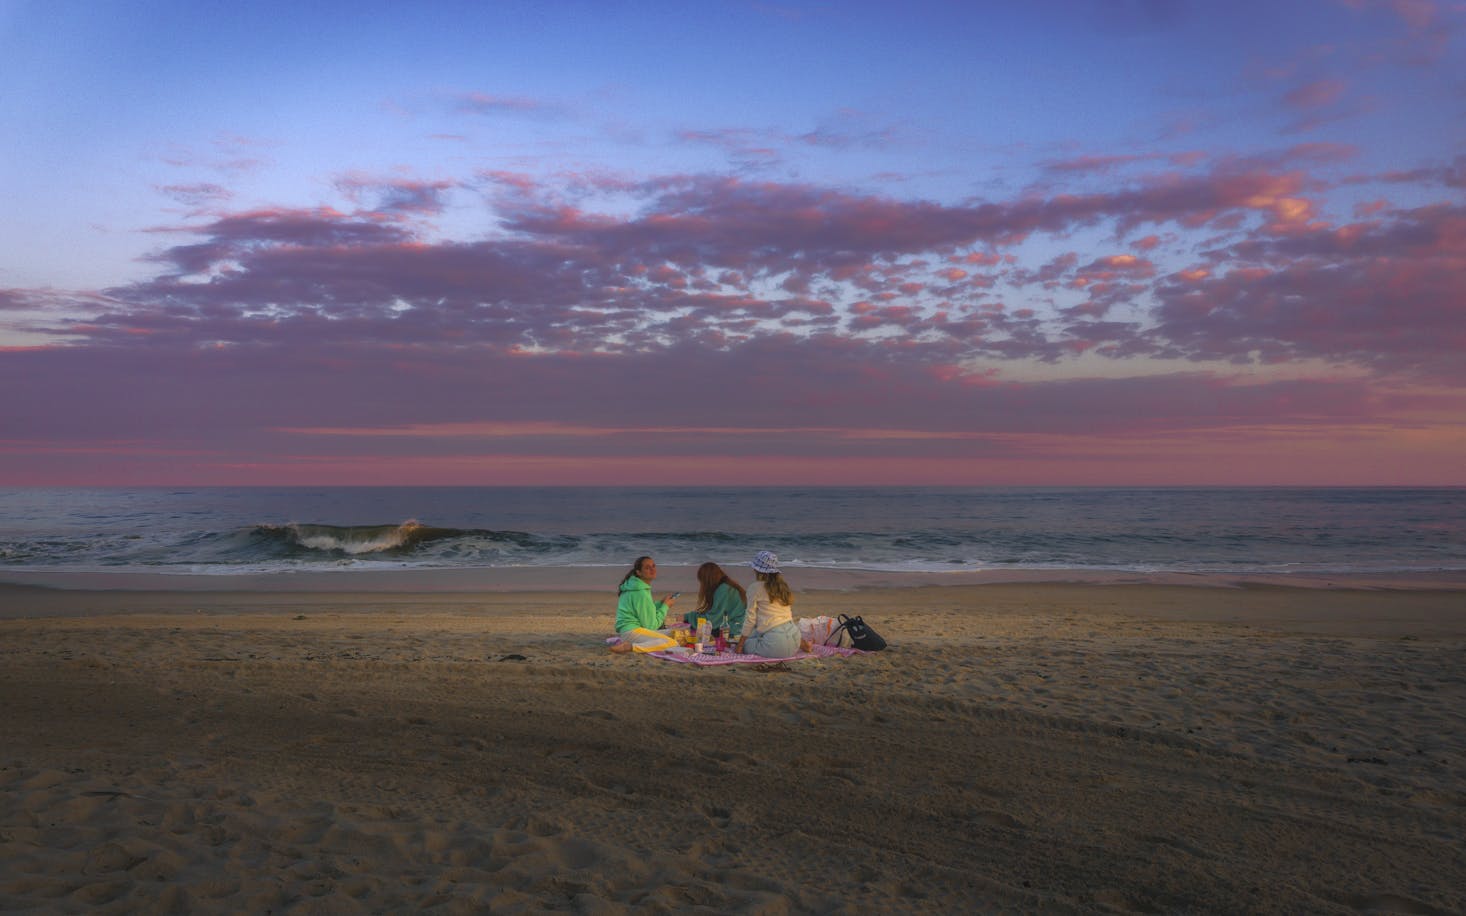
(834, 636)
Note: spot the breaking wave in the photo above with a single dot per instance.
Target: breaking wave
(357, 540)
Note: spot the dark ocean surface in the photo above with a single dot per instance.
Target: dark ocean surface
(206, 531)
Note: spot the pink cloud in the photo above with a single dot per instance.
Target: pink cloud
(1387, 294)
(845, 136)
(720, 297)
(766, 145)
(1109, 164)
(198, 195)
(688, 265)
(483, 103)
(743, 142)
(1316, 94)
(397, 195)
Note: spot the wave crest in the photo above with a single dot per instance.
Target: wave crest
(356, 540)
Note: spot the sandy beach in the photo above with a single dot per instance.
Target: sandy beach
(1098, 746)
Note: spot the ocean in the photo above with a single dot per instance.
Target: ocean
(211, 531)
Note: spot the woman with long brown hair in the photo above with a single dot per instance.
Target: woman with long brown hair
(720, 599)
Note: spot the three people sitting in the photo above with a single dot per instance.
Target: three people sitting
(760, 618)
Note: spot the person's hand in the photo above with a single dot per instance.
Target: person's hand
(669, 599)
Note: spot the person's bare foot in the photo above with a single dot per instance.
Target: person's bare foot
(621, 647)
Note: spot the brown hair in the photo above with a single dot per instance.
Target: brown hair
(635, 569)
(709, 577)
(777, 588)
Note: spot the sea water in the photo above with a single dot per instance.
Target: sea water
(920, 529)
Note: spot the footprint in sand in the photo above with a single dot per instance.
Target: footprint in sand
(110, 857)
(1000, 819)
(717, 815)
(731, 757)
(1178, 845)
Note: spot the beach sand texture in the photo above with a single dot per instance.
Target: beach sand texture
(1023, 747)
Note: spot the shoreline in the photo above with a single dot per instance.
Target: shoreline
(1367, 608)
(683, 578)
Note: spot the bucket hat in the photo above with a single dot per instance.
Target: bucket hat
(765, 561)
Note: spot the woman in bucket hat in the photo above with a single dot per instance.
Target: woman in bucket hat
(768, 628)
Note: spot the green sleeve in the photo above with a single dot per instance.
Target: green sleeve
(636, 609)
(727, 607)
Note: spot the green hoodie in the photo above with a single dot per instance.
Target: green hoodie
(726, 609)
(636, 607)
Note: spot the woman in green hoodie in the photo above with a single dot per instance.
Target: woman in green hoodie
(635, 606)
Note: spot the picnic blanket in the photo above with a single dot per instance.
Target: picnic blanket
(657, 645)
(737, 658)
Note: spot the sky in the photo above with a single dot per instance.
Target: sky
(727, 242)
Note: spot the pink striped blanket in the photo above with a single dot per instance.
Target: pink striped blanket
(687, 656)
(734, 658)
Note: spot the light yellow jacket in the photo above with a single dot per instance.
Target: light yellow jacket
(763, 612)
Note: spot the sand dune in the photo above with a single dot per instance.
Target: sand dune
(1021, 747)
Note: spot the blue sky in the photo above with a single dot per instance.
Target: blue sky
(1169, 196)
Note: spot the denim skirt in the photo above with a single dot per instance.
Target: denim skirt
(780, 642)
